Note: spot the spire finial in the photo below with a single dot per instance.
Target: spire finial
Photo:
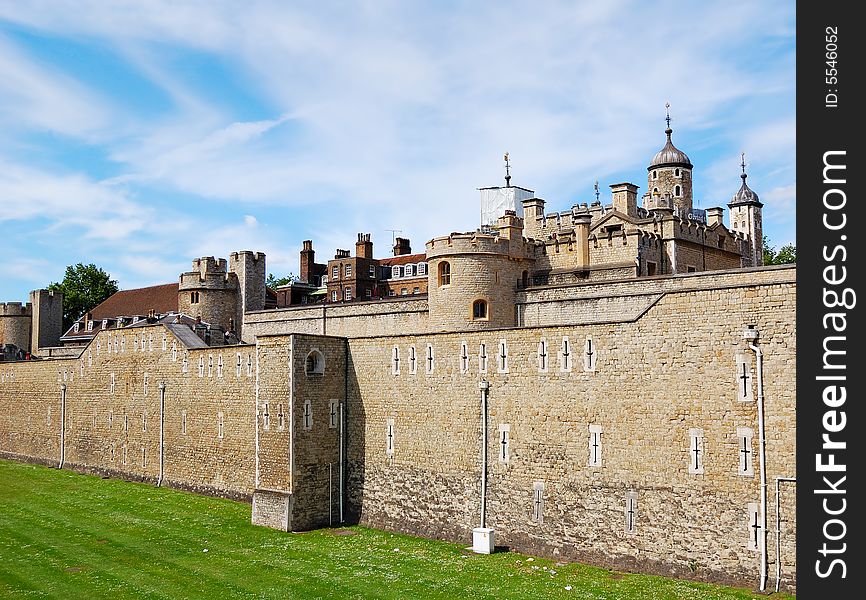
(743, 165)
(596, 190)
(507, 171)
(668, 113)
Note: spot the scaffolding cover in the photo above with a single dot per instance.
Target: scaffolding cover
(496, 200)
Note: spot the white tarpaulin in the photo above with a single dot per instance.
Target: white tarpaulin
(496, 200)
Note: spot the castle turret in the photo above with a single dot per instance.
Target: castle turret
(250, 270)
(210, 292)
(47, 324)
(15, 325)
(746, 219)
(670, 172)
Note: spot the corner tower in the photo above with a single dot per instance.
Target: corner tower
(210, 292)
(670, 172)
(746, 220)
(250, 270)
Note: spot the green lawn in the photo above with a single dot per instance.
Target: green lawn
(66, 535)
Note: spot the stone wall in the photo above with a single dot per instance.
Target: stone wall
(659, 376)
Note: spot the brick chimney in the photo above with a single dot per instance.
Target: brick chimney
(401, 246)
(308, 258)
(625, 198)
(364, 247)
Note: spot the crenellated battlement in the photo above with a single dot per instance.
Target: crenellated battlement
(209, 264)
(208, 281)
(15, 309)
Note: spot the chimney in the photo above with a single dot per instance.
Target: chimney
(308, 259)
(364, 247)
(714, 216)
(341, 253)
(533, 212)
(581, 233)
(625, 198)
(510, 227)
(401, 246)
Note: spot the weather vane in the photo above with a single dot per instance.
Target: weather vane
(668, 113)
(596, 190)
(743, 161)
(507, 171)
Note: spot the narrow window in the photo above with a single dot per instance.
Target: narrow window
(144, 420)
(90, 358)
(123, 459)
(502, 357)
(220, 425)
(220, 366)
(655, 175)
(677, 191)
(464, 358)
(123, 343)
(249, 365)
(145, 381)
(479, 310)
(429, 361)
(201, 366)
(164, 342)
(143, 457)
(135, 343)
(754, 525)
(389, 437)
(504, 443)
(184, 366)
(150, 342)
(75, 327)
(413, 361)
(335, 273)
(183, 422)
(594, 446)
(416, 290)
(589, 355)
(744, 377)
(691, 269)
(90, 326)
(348, 271)
(542, 356)
(98, 347)
(744, 449)
(333, 413)
(308, 415)
(111, 384)
(210, 365)
(444, 273)
(482, 358)
(538, 502)
(110, 418)
(125, 422)
(565, 355)
(174, 351)
(104, 323)
(395, 361)
(335, 296)
(347, 293)
(630, 512)
(395, 272)
(372, 270)
(368, 293)
(266, 417)
(696, 451)
(238, 363)
(676, 172)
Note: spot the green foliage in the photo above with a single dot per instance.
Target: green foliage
(83, 287)
(273, 282)
(64, 535)
(786, 255)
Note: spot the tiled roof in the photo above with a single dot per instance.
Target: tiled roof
(126, 303)
(403, 259)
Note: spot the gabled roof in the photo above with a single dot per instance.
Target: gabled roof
(161, 299)
(403, 259)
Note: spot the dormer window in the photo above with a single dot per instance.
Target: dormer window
(104, 323)
(134, 320)
(395, 271)
(410, 270)
(422, 268)
(90, 326)
(75, 327)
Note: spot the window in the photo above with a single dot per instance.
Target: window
(630, 511)
(392, 292)
(104, 323)
(315, 363)
(651, 268)
(220, 366)
(111, 384)
(404, 292)
(565, 355)
(193, 298)
(677, 191)
(75, 327)
(504, 443)
(479, 310)
(347, 293)
(444, 273)
(538, 501)
(145, 383)
(589, 355)
(409, 270)
(743, 377)
(183, 422)
(324, 280)
(754, 526)
(333, 413)
(655, 174)
(482, 358)
(201, 366)
(416, 290)
(164, 342)
(249, 365)
(594, 446)
(655, 191)
(389, 437)
(395, 361)
(696, 451)
(266, 417)
(422, 268)
(335, 273)
(368, 293)
(542, 356)
(210, 365)
(502, 358)
(220, 425)
(413, 361)
(744, 449)
(691, 269)
(281, 417)
(90, 326)
(184, 367)
(308, 415)
(464, 357)
(335, 296)
(429, 361)
(676, 172)
(372, 270)
(348, 271)
(174, 351)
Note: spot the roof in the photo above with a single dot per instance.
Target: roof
(186, 335)
(403, 259)
(670, 155)
(745, 195)
(126, 303)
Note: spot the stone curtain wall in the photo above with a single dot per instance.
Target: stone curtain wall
(656, 380)
(115, 427)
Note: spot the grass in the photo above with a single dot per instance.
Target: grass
(66, 535)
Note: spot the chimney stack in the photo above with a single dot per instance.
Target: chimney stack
(401, 246)
(364, 247)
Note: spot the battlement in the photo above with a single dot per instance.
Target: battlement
(245, 255)
(15, 309)
(209, 264)
(475, 242)
(219, 280)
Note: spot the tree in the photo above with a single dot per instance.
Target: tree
(83, 287)
(273, 282)
(786, 255)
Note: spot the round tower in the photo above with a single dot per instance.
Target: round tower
(670, 171)
(473, 277)
(209, 292)
(15, 322)
(745, 207)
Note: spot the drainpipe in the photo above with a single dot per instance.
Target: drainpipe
(484, 386)
(62, 425)
(161, 433)
(779, 481)
(343, 452)
(751, 335)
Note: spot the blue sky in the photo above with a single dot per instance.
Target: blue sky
(139, 135)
